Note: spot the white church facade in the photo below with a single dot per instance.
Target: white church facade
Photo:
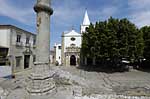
(71, 45)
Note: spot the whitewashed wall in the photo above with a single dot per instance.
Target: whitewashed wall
(5, 38)
(5, 71)
(58, 53)
(68, 41)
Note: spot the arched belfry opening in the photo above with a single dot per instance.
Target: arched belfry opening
(73, 60)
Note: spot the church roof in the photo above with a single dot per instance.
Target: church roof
(72, 33)
(86, 20)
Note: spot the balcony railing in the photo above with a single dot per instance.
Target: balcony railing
(19, 44)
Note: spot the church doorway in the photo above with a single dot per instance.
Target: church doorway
(73, 60)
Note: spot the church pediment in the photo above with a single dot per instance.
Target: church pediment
(72, 33)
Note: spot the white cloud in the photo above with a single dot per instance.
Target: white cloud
(71, 11)
(141, 19)
(140, 4)
(23, 15)
(109, 11)
(139, 12)
(104, 13)
(66, 14)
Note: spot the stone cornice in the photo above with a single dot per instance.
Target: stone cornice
(41, 7)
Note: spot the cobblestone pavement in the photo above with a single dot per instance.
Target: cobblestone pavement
(127, 83)
(75, 83)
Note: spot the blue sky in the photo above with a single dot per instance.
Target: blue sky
(68, 13)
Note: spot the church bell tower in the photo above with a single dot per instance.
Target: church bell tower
(86, 23)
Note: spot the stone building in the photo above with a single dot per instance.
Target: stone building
(52, 56)
(71, 44)
(17, 46)
(57, 53)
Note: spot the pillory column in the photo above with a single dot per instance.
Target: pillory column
(40, 80)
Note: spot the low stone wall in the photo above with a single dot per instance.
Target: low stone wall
(5, 71)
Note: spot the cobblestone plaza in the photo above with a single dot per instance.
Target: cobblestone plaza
(73, 83)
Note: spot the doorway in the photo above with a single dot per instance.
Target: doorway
(26, 61)
(73, 60)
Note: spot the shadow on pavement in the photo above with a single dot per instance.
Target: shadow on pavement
(99, 69)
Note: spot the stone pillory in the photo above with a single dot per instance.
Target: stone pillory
(41, 79)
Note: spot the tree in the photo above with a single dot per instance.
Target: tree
(146, 36)
(87, 40)
(113, 39)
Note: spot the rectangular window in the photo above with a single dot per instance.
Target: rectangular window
(27, 39)
(18, 38)
(34, 40)
(34, 58)
(59, 47)
(18, 61)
